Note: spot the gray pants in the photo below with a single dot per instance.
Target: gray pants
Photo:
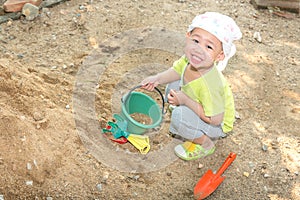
(187, 123)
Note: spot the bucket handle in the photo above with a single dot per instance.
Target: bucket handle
(139, 86)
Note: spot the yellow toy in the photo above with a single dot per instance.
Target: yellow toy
(118, 130)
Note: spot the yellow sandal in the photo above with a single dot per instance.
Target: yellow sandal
(191, 151)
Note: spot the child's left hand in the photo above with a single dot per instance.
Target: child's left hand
(177, 98)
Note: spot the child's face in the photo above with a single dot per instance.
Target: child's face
(203, 49)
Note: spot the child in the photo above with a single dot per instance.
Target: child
(202, 99)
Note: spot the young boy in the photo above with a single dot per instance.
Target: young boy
(202, 99)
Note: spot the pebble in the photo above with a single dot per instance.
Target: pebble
(136, 177)
(257, 37)
(29, 166)
(9, 23)
(237, 115)
(140, 39)
(20, 56)
(68, 106)
(30, 11)
(266, 176)
(99, 187)
(53, 67)
(200, 166)
(22, 117)
(37, 116)
(49, 198)
(35, 163)
(265, 147)
(29, 182)
(23, 138)
(1, 197)
(46, 11)
(246, 174)
(105, 178)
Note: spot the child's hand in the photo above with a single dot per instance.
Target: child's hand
(177, 98)
(150, 82)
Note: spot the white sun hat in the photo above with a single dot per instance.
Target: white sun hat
(221, 26)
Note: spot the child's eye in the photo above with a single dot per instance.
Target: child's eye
(196, 41)
(209, 47)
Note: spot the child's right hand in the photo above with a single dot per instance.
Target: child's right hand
(150, 83)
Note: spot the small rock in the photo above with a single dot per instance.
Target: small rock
(46, 11)
(1, 197)
(237, 115)
(68, 106)
(29, 183)
(35, 163)
(20, 56)
(266, 175)
(246, 174)
(169, 174)
(200, 166)
(30, 11)
(99, 187)
(23, 138)
(136, 177)
(53, 67)
(22, 117)
(9, 23)
(140, 39)
(49, 198)
(265, 147)
(257, 37)
(251, 165)
(38, 116)
(105, 178)
(28, 166)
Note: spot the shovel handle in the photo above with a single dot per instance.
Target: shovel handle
(226, 164)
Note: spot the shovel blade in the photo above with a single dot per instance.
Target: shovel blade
(207, 185)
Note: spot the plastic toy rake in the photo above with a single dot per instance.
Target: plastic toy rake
(118, 130)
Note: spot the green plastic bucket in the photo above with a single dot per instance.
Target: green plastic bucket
(138, 102)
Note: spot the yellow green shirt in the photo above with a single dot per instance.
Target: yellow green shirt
(212, 91)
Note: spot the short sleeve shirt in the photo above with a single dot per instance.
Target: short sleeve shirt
(211, 90)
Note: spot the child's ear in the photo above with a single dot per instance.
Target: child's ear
(221, 56)
(188, 34)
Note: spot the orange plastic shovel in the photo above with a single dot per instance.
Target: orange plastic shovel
(210, 181)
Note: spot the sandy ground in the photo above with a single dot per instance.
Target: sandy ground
(62, 77)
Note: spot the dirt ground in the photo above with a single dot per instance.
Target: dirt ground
(44, 152)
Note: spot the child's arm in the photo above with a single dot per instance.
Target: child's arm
(179, 98)
(164, 77)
